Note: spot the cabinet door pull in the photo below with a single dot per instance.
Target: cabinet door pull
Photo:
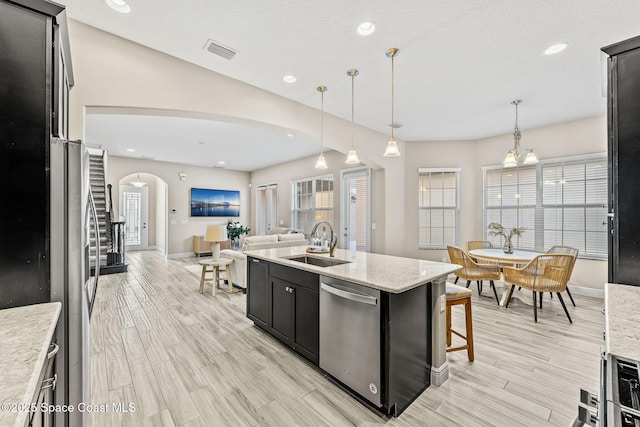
(53, 352)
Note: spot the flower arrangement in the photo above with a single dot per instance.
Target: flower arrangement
(496, 229)
(235, 230)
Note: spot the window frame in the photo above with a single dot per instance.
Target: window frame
(456, 209)
(539, 214)
(313, 209)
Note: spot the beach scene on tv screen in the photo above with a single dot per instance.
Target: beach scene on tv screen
(205, 202)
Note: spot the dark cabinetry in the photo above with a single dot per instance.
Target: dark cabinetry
(258, 291)
(284, 301)
(33, 96)
(295, 317)
(624, 157)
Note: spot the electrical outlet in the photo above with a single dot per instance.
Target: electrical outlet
(443, 302)
(444, 259)
(373, 225)
(173, 222)
(184, 221)
(282, 222)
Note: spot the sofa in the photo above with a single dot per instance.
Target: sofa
(249, 243)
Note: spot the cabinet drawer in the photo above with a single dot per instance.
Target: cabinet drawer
(299, 277)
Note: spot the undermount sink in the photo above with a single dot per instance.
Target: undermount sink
(320, 262)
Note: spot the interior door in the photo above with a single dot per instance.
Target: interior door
(355, 207)
(267, 208)
(134, 207)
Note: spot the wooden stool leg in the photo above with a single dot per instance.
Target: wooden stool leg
(229, 278)
(215, 281)
(204, 272)
(448, 325)
(469, 324)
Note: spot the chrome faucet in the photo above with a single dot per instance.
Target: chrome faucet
(334, 237)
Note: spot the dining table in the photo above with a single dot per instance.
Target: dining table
(500, 257)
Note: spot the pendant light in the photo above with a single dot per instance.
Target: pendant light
(392, 147)
(137, 183)
(352, 157)
(513, 156)
(321, 163)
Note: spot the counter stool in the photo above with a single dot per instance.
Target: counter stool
(457, 295)
(216, 270)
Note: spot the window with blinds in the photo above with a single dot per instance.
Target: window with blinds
(510, 200)
(312, 201)
(438, 212)
(557, 201)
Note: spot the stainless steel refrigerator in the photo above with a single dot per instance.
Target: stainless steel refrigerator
(45, 198)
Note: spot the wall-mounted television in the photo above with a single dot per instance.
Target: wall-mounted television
(205, 202)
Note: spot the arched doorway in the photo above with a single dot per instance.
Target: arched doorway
(142, 203)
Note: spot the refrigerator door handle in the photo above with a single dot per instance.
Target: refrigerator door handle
(94, 214)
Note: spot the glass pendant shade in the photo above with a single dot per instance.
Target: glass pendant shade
(510, 160)
(352, 157)
(392, 149)
(321, 163)
(531, 158)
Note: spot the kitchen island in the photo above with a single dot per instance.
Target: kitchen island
(374, 323)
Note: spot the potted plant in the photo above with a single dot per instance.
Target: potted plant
(234, 231)
(496, 229)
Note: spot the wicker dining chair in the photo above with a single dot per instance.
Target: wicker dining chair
(479, 244)
(544, 273)
(559, 249)
(472, 271)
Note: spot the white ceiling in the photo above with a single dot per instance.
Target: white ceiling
(460, 63)
(194, 141)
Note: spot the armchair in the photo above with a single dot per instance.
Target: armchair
(471, 270)
(544, 273)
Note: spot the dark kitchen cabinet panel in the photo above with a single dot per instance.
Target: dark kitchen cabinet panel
(281, 318)
(258, 291)
(624, 157)
(306, 338)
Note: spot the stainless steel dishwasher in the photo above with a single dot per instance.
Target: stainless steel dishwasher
(350, 336)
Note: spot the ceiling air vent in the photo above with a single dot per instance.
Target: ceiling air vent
(220, 50)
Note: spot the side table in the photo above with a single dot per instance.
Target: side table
(215, 269)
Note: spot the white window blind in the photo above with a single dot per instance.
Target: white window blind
(510, 200)
(312, 202)
(574, 198)
(557, 201)
(438, 213)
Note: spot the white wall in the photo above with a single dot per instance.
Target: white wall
(182, 227)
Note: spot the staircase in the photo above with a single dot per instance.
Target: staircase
(112, 257)
(96, 182)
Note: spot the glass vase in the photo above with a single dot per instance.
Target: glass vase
(508, 247)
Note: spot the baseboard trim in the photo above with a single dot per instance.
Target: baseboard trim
(181, 255)
(440, 374)
(587, 292)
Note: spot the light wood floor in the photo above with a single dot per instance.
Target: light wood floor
(187, 359)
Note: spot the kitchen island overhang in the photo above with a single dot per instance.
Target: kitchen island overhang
(295, 296)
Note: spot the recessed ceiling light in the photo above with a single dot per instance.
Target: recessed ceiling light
(290, 135)
(131, 150)
(289, 78)
(366, 28)
(556, 48)
(118, 5)
(200, 142)
(221, 162)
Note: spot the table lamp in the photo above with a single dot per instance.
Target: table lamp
(216, 234)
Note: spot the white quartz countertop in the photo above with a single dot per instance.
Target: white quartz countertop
(384, 272)
(622, 320)
(25, 335)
